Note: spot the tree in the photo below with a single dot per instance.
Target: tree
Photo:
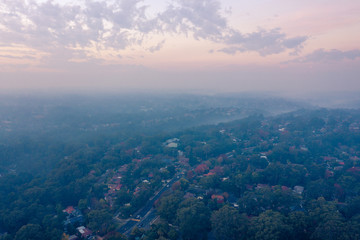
(228, 224)
(212, 181)
(161, 231)
(82, 205)
(300, 225)
(30, 232)
(319, 188)
(353, 207)
(193, 219)
(169, 205)
(354, 227)
(332, 227)
(14, 220)
(123, 197)
(270, 225)
(99, 219)
(326, 221)
(136, 233)
(114, 236)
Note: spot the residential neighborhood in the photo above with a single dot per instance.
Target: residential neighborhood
(134, 192)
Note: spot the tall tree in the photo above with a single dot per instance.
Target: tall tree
(193, 219)
(228, 224)
(30, 232)
(169, 205)
(270, 225)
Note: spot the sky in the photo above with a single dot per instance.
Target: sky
(180, 45)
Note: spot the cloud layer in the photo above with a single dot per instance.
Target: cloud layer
(264, 42)
(73, 29)
(322, 55)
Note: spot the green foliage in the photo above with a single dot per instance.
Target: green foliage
(270, 225)
(169, 205)
(300, 225)
(123, 197)
(332, 227)
(209, 182)
(253, 203)
(115, 236)
(67, 162)
(228, 224)
(30, 232)
(161, 231)
(99, 219)
(136, 233)
(193, 219)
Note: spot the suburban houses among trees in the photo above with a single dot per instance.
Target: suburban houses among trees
(288, 176)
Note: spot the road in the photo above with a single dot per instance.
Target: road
(146, 214)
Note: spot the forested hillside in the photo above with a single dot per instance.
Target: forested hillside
(86, 174)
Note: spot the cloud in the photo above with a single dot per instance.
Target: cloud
(202, 18)
(102, 24)
(322, 55)
(49, 25)
(17, 57)
(231, 50)
(157, 47)
(265, 42)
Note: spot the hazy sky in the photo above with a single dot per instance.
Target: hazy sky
(227, 45)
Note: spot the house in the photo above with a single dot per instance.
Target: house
(172, 140)
(304, 149)
(109, 200)
(74, 219)
(209, 174)
(84, 232)
(299, 189)
(218, 198)
(74, 215)
(172, 145)
(338, 168)
(73, 237)
(69, 210)
(261, 186)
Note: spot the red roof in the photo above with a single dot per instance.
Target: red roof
(219, 198)
(209, 174)
(69, 209)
